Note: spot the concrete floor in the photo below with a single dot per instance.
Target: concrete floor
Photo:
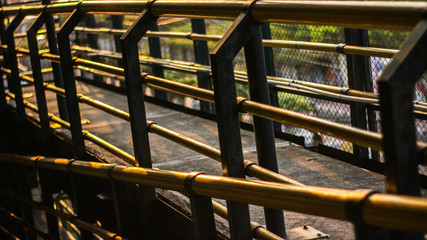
(294, 161)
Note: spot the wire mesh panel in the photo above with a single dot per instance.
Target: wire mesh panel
(308, 65)
(393, 40)
(316, 67)
(173, 48)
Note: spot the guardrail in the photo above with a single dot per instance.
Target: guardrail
(402, 153)
(376, 209)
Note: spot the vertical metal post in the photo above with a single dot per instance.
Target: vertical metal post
(135, 96)
(2, 89)
(3, 118)
(7, 177)
(70, 81)
(3, 103)
(12, 63)
(93, 41)
(155, 52)
(92, 38)
(358, 77)
(83, 199)
(56, 67)
(271, 71)
(45, 184)
(201, 53)
(127, 215)
(82, 192)
(203, 217)
(396, 88)
(2, 93)
(38, 78)
(222, 57)
(134, 88)
(14, 82)
(263, 128)
(201, 211)
(124, 222)
(117, 21)
(268, 51)
(22, 188)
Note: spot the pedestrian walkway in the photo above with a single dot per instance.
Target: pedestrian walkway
(294, 161)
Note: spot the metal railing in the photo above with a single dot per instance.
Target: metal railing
(377, 210)
(363, 208)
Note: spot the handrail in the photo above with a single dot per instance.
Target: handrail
(324, 47)
(382, 210)
(402, 16)
(301, 45)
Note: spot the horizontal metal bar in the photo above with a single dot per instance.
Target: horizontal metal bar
(259, 232)
(357, 136)
(105, 234)
(333, 89)
(332, 48)
(400, 15)
(28, 105)
(98, 141)
(87, 135)
(301, 45)
(99, 66)
(111, 148)
(8, 234)
(348, 14)
(24, 224)
(104, 107)
(261, 173)
(382, 210)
